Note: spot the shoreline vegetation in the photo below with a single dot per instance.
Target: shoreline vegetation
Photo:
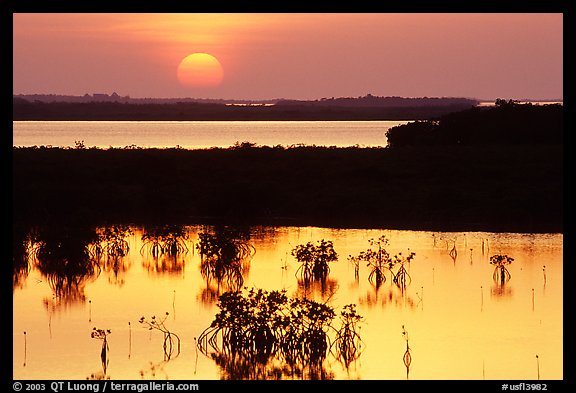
(114, 107)
(447, 176)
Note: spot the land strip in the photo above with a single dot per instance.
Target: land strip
(452, 188)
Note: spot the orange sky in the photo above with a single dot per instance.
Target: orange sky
(300, 56)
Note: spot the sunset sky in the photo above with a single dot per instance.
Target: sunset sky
(298, 56)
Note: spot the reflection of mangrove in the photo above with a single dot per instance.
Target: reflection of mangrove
(252, 334)
(379, 261)
(324, 288)
(237, 367)
(453, 252)
(164, 264)
(225, 256)
(101, 334)
(167, 246)
(111, 248)
(22, 252)
(63, 255)
(98, 376)
(153, 369)
(167, 240)
(407, 358)
(499, 290)
(389, 296)
(314, 259)
(210, 294)
(111, 241)
(171, 341)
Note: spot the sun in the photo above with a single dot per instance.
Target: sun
(200, 70)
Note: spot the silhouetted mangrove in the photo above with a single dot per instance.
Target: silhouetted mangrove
(501, 275)
(379, 260)
(314, 259)
(171, 339)
(407, 358)
(513, 188)
(253, 331)
(102, 334)
(348, 343)
(507, 123)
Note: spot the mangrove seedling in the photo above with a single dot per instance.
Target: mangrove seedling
(407, 358)
(501, 274)
(101, 334)
(402, 278)
(314, 259)
(379, 260)
(348, 342)
(170, 338)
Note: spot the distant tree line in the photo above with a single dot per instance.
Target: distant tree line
(506, 123)
(370, 100)
(366, 108)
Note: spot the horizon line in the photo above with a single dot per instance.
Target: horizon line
(114, 94)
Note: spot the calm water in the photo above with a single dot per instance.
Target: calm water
(200, 134)
(460, 322)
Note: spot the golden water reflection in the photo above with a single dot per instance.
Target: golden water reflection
(462, 323)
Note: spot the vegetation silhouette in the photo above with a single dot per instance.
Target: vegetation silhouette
(407, 358)
(348, 343)
(171, 343)
(483, 168)
(166, 247)
(345, 108)
(102, 334)
(225, 256)
(167, 240)
(314, 259)
(63, 255)
(22, 254)
(379, 260)
(255, 333)
(449, 188)
(110, 248)
(507, 123)
(501, 275)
